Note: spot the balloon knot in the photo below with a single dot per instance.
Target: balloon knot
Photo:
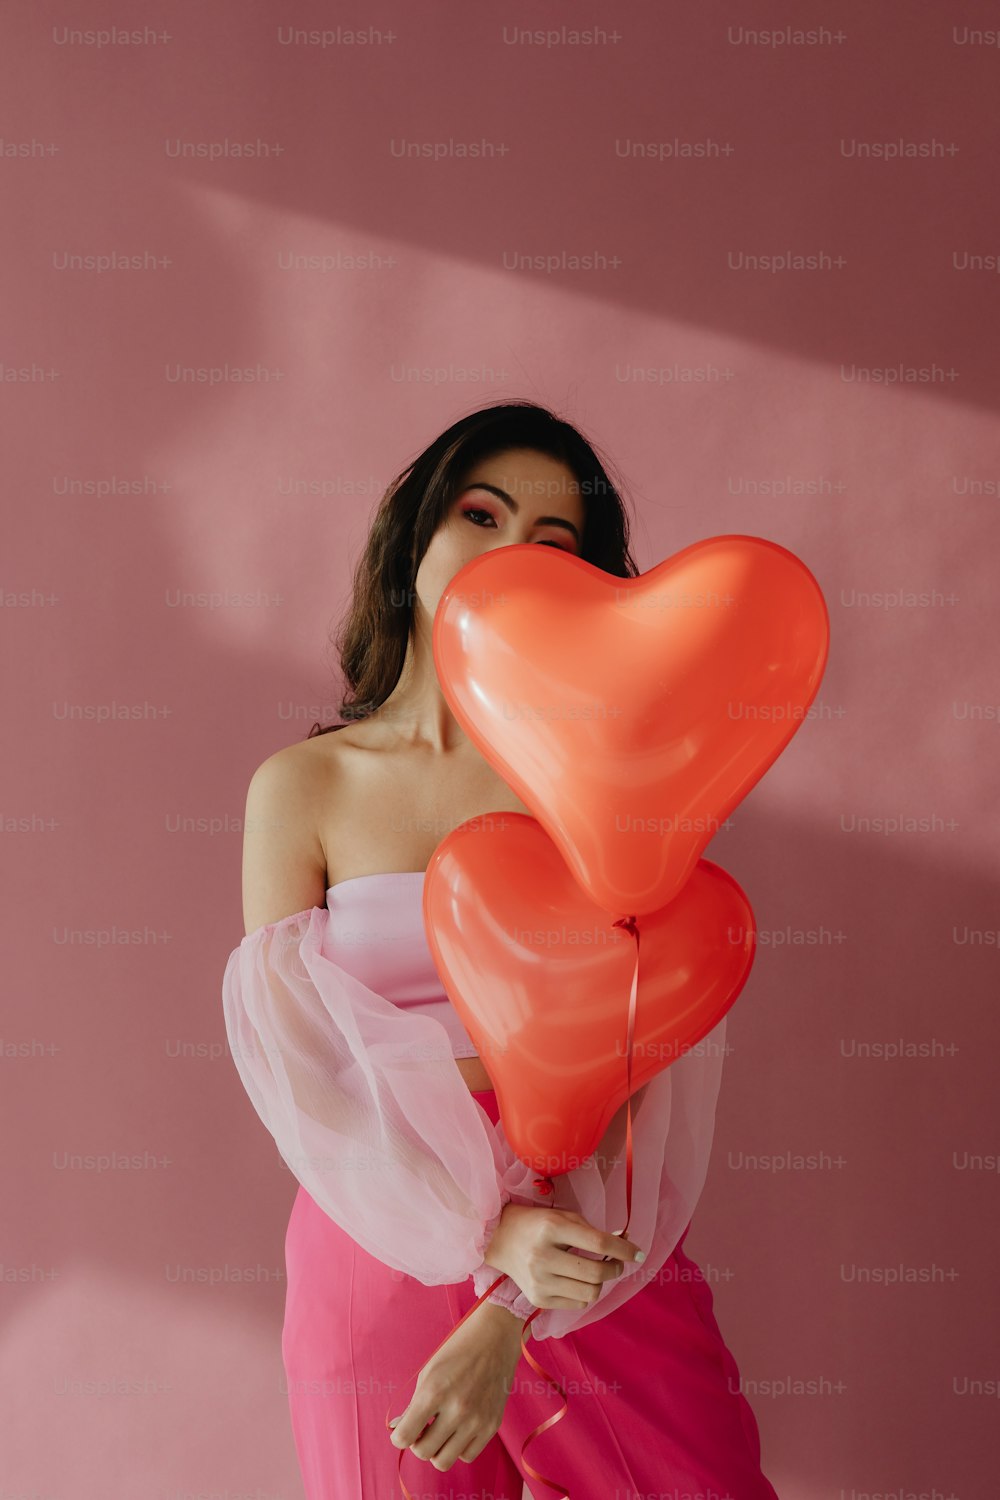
(629, 923)
(544, 1184)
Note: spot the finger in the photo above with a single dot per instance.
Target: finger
(568, 1292)
(570, 1230)
(410, 1426)
(472, 1450)
(455, 1447)
(633, 1251)
(581, 1268)
(434, 1438)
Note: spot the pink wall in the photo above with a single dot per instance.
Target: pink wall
(730, 399)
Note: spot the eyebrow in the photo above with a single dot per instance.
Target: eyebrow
(512, 504)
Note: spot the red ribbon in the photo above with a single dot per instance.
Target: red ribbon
(545, 1185)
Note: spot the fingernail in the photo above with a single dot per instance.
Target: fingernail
(640, 1255)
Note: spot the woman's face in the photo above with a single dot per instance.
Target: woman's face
(538, 501)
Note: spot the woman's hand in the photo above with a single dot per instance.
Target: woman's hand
(462, 1390)
(532, 1245)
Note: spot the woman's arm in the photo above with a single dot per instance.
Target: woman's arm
(363, 1098)
(284, 863)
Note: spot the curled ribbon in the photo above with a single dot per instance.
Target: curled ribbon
(545, 1185)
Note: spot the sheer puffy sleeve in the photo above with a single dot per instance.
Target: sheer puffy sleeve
(370, 1113)
(673, 1125)
(366, 1105)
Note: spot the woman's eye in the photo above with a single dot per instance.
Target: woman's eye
(473, 511)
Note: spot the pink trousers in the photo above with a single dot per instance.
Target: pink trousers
(655, 1405)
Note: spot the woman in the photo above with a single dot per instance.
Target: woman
(411, 1202)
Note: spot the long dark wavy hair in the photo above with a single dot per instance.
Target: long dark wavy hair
(373, 634)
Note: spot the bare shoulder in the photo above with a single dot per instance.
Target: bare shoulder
(284, 866)
(345, 805)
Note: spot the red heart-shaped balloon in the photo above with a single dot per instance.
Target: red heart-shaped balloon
(541, 977)
(631, 715)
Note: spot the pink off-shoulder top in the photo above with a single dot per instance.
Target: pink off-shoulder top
(345, 1042)
(376, 931)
